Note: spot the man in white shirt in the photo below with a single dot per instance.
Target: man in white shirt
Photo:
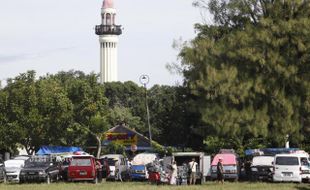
(192, 174)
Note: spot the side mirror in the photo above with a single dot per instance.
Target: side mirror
(272, 163)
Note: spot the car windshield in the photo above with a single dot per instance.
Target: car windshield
(288, 161)
(14, 163)
(31, 164)
(81, 162)
(262, 161)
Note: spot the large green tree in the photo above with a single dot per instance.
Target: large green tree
(250, 70)
(36, 112)
(90, 107)
(172, 117)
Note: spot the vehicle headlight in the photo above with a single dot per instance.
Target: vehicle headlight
(41, 172)
(254, 169)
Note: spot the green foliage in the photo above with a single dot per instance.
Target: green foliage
(36, 111)
(113, 148)
(123, 116)
(249, 72)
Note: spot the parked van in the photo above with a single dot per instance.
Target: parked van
(230, 166)
(262, 167)
(82, 168)
(287, 168)
(123, 166)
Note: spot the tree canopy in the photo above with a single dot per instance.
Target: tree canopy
(250, 70)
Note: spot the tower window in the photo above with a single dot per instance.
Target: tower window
(108, 19)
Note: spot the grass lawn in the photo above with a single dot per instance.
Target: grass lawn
(145, 186)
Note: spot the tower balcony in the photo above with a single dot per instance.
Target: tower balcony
(108, 30)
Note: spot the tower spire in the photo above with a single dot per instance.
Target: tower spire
(108, 33)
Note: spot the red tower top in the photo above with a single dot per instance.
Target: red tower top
(107, 4)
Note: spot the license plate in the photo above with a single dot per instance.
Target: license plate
(287, 174)
(83, 173)
(32, 173)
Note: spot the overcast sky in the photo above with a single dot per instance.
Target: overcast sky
(58, 35)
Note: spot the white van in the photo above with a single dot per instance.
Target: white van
(287, 168)
(304, 166)
(123, 167)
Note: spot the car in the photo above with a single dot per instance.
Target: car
(287, 168)
(261, 168)
(304, 165)
(40, 169)
(12, 169)
(83, 168)
(138, 172)
(230, 166)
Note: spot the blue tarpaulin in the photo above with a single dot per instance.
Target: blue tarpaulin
(46, 150)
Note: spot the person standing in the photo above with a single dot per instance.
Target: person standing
(99, 170)
(118, 173)
(174, 173)
(220, 171)
(193, 169)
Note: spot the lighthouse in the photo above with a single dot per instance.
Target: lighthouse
(108, 33)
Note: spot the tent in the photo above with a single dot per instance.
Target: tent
(47, 150)
(126, 136)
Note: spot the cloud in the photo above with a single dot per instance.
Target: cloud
(30, 56)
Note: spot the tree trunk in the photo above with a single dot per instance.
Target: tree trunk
(98, 146)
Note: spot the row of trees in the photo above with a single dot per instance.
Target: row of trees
(72, 108)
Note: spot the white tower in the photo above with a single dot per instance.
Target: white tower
(108, 33)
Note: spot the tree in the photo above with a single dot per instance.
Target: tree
(249, 70)
(97, 126)
(37, 112)
(123, 116)
(171, 114)
(90, 106)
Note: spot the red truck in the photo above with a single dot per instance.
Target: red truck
(83, 168)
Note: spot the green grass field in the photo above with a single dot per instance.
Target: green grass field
(145, 186)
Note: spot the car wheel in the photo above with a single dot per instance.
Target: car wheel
(48, 179)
